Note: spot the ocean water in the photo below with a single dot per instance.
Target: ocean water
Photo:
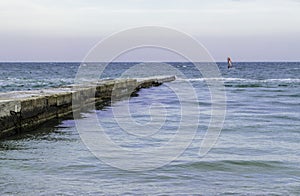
(257, 152)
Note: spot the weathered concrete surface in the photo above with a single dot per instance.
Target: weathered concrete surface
(20, 110)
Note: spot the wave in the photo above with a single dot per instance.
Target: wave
(13, 84)
(286, 80)
(226, 165)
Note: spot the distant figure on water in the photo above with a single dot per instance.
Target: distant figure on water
(229, 62)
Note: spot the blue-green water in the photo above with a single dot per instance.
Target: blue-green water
(258, 151)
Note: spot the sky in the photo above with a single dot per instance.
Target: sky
(65, 30)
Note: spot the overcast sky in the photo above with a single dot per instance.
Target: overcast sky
(65, 30)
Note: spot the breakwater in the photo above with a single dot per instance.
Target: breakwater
(23, 110)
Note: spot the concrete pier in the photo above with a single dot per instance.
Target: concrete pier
(22, 110)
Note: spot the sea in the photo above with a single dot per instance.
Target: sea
(256, 153)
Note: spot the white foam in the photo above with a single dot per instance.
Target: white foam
(206, 79)
(285, 80)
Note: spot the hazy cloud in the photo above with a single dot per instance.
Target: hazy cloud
(92, 19)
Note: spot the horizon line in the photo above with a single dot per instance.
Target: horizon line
(238, 61)
(264, 61)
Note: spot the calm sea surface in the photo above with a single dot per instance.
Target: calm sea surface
(258, 151)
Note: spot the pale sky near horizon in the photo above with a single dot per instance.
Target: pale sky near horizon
(65, 30)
